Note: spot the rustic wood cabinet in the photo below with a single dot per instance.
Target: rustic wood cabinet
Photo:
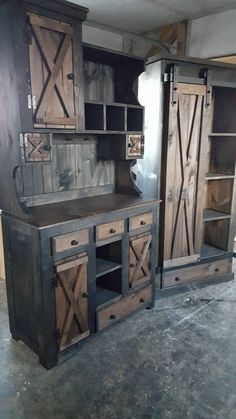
(189, 162)
(80, 241)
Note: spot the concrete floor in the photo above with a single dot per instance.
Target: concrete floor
(176, 361)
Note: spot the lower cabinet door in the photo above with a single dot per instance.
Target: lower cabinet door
(71, 301)
(139, 260)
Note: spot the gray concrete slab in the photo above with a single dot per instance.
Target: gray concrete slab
(175, 361)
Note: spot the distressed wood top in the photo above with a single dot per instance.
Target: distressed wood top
(51, 214)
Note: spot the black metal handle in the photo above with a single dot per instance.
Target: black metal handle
(74, 243)
(142, 223)
(132, 265)
(177, 278)
(141, 300)
(70, 76)
(85, 295)
(216, 269)
(112, 317)
(112, 231)
(47, 147)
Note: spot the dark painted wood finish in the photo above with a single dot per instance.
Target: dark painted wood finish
(198, 98)
(36, 290)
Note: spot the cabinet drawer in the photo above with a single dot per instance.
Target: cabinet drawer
(123, 307)
(140, 221)
(105, 231)
(70, 241)
(195, 273)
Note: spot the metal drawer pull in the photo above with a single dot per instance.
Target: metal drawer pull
(177, 278)
(70, 76)
(112, 231)
(142, 223)
(74, 243)
(112, 317)
(132, 265)
(141, 300)
(216, 269)
(85, 295)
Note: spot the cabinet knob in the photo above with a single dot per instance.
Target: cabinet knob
(112, 231)
(112, 317)
(177, 278)
(70, 76)
(132, 265)
(74, 243)
(216, 269)
(47, 147)
(141, 300)
(142, 223)
(85, 295)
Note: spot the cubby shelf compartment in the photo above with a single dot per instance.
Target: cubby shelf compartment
(113, 118)
(134, 119)
(218, 176)
(94, 117)
(104, 266)
(212, 215)
(211, 251)
(104, 296)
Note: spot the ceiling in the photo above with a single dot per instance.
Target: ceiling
(139, 16)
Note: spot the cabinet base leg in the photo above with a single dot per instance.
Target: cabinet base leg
(14, 336)
(47, 363)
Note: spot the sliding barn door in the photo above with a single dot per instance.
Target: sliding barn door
(51, 70)
(187, 135)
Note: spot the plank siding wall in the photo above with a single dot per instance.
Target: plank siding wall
(73, 167)
(98, 82)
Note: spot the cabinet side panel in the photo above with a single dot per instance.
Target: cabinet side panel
(9, 120)
(151, 96)
(22, 262)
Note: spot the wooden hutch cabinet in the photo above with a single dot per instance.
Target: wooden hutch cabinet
(189, 162)
(80, 241)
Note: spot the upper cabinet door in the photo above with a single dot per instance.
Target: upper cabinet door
(52, 73)
(188, 126)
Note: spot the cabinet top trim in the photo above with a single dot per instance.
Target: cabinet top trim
(61, 7)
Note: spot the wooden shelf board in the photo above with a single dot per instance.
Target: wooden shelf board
(104, 296)
(212, 215)
(210, 251)
(93, 131)
(218, 176)
(118, 104)
(104, 266)
(222, 134)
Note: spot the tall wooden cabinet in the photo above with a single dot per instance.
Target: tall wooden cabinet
(189, 162)
(80, 241)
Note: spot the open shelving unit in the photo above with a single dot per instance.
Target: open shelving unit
(108, 273)
(111, 104)
(220, 176)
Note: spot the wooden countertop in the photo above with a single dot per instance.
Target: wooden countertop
(51, 214)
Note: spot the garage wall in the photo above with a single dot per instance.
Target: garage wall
(213, 35)
(106, 37)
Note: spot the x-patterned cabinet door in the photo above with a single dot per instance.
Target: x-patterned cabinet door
(188, 126)
(71, 301)
(51, 70)
(139, 260)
